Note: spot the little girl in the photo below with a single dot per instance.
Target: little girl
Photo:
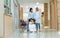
(32, 25)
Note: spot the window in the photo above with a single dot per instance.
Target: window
(7, 6)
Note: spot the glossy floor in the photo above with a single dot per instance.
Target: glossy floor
(42, 34)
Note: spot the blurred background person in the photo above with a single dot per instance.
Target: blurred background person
(37, 17)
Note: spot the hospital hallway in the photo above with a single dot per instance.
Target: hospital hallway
(14, 16)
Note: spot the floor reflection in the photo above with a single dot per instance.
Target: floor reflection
(42, 34)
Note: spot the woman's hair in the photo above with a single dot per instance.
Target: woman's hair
(31, 9)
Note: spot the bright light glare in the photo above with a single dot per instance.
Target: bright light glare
(58, 32)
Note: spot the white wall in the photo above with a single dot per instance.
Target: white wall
(16, 21)
(1, 16)
(26, 7)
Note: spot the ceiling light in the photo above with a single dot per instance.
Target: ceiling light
(37, 3)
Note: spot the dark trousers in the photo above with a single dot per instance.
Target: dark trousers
(37, 26)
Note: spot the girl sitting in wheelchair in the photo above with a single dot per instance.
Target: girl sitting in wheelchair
(32, 25)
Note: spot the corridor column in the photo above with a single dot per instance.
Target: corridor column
(45, 14)
(21, 12)
(58, 12)
(1, 17)
(53, 15)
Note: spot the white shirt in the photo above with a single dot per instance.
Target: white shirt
(30, 15)
(37, 17)
(32, 27)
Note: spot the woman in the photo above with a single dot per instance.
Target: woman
(30, 16)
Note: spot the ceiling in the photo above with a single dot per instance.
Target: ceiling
(33, 1)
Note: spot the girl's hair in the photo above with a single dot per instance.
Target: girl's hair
(31, 19)
(31, 9)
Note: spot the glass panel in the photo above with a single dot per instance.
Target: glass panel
(9, 3)
(17, 1)
(6, 2)
(7, 7)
